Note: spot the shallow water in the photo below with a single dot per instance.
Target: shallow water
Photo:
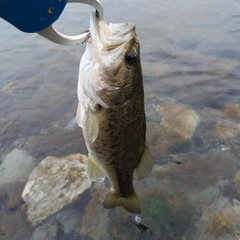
(190, 55)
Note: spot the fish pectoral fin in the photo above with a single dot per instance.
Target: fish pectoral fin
(130, 203)
(93, 125)
(94, 171)
(145, 165)
(78, 115)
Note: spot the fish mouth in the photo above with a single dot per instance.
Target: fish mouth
(109, 37)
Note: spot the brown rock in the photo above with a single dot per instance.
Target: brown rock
(178, 118)
(233, 111)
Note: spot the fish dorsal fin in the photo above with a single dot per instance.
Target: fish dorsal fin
(78, 115)
(94, 171)
(93, 123)
(145, 165)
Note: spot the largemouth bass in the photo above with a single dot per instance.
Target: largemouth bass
(111, 111)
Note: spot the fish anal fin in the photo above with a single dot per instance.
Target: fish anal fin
(130, 203)
(94, 171)
(145, 165)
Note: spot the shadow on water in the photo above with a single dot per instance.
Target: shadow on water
(190, 59)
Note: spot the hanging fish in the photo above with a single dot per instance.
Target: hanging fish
(111, 111)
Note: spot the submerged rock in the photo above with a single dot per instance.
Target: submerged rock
(175, 133)
(227, 129)
(221, 125)
(233, 111)
(10, 195)
(161, 142)
(14, 171)
(54, 183)
(95, 221)
(15, 167)
(220, 221)
(178, 118)
(220, 129)
(47, 231)
(237, 179)
(13, 226)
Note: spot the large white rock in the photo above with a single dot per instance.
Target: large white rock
(54, 183)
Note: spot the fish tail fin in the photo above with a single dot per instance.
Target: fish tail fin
(130, 203)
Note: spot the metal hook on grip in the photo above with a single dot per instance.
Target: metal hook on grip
(55, 36)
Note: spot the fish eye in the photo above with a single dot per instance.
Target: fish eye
(130, 58)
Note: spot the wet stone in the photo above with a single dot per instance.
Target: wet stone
(219, 221)
(69, 219)
(47, 231)
(178, 118)
(15, 167)
(14, 171)
(161, 142)
(95, 222)
(233, 111)
(54, 183)
(178, 131)
(13, 225)
(10, 195)
(220, 130)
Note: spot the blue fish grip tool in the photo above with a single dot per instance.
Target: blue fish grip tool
(38, 16)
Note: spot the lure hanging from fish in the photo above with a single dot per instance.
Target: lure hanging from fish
(111, 111)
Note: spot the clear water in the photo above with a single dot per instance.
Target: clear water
(190, 54)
